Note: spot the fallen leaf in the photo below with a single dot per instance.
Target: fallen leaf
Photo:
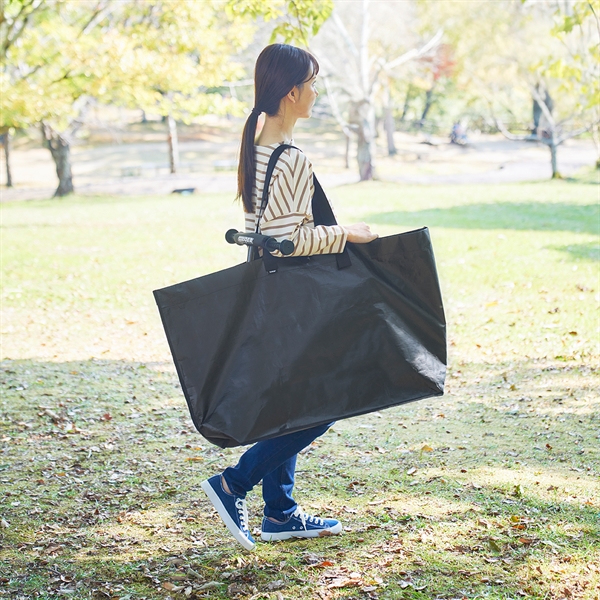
(426, 448)
(345, 582)
(276, 585)
(210, 584)
(411, 471)
(171, 586)
(325, 563)
(235, 588)
(192, 573)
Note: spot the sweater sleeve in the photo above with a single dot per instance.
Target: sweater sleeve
(289, 212)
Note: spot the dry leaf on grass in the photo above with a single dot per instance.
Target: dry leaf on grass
(210, 585)
(323, 564)
(343, 582)
(171, 587)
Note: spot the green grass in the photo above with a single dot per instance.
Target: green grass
(492, 491)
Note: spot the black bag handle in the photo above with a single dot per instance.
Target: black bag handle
(322, 212)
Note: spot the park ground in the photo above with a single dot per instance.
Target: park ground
(492, 491)
(132, 159)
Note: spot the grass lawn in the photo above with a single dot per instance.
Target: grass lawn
(492, 491)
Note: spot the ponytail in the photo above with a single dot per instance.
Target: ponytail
(247, 165)
(279, 68)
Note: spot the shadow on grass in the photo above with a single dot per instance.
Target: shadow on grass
(529, 216)
(589, 251)
(103, 469)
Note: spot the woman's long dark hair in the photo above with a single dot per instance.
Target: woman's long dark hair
(279, 68)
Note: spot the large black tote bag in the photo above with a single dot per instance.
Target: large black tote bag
(262, 354)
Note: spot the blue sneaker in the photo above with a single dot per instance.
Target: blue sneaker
(232, 509)
(299, 525)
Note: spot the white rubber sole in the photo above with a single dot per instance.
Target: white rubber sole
(288, 535)
(229, 522)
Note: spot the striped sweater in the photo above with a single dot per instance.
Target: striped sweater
(289, 212)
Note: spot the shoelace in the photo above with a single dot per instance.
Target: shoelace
(310, 518)
(242, 509)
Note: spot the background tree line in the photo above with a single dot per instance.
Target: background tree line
(534, 65)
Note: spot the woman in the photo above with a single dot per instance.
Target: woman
(285, 91)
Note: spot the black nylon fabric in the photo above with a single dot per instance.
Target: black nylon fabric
(259, 355)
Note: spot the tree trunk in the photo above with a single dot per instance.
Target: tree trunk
(364, 120)
(537, 114)
(364, 157)
(347, 153)
(61, 154)
(406, 102)
(388, 122)
(539, 120)
(6, 146)
(553, 150)
(173, 144)
(428, 104)
(596, 137)
(389, 130)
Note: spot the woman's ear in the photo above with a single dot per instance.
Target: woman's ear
(293, 94)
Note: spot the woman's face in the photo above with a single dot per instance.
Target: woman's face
(307, 95)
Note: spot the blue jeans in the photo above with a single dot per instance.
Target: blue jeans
(273, 461)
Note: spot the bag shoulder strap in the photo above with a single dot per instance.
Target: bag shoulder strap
(323, 215)
(322, 212)
(270, 168)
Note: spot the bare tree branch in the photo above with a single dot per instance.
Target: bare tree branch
(576, 132)
(415, 53)
(407, 56)
(543, 106)
(346, 127)
(344, 33)
(506, 133)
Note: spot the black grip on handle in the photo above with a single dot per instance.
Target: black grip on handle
(233, 236)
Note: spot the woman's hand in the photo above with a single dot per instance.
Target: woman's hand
(360, 233)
